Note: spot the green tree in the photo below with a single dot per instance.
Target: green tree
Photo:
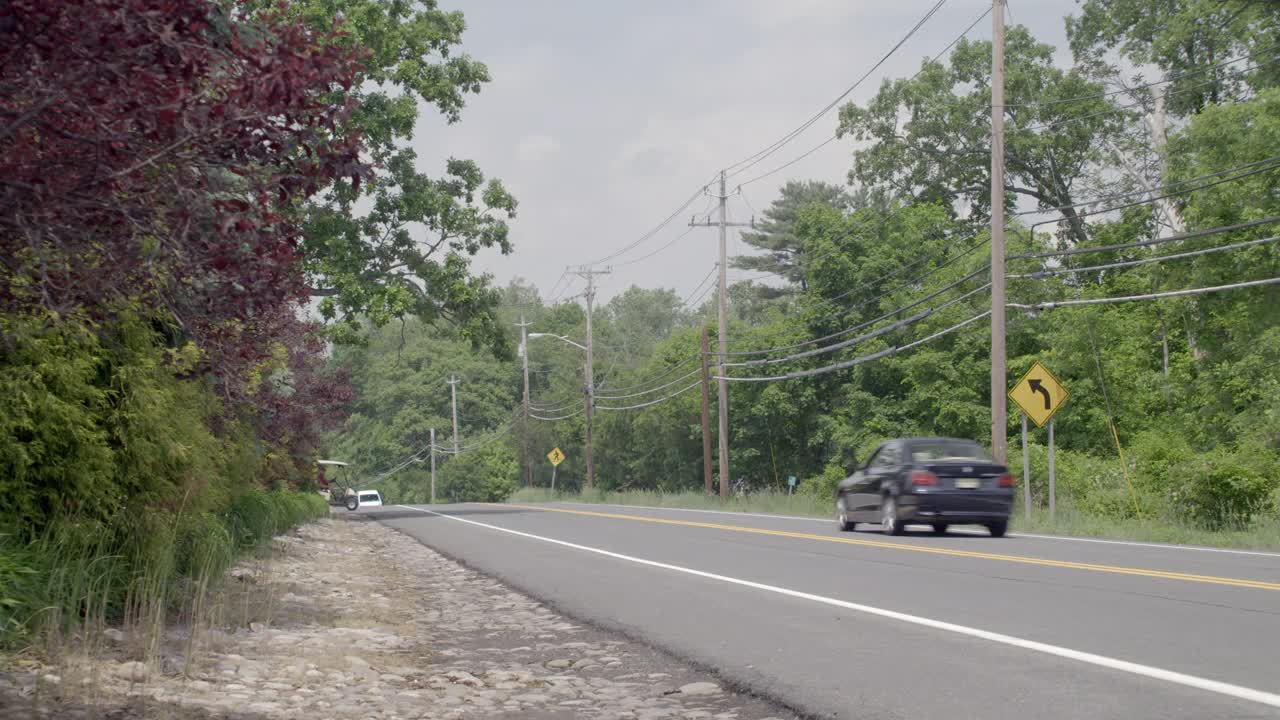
(1186, 40)
(927, 138)
(401, 245)
(775, 236)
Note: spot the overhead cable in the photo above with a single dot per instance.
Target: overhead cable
(652, 390)
(1154, 199)
(1117, 108)
(905, 322)
(836, 136)
(1148, 296)
(1147, 243)
(846, 364)
(859, 326)
(560, 417)
(751, 160)
(1173, 79)
(1142, 261)
(651, 402)
(679, 212)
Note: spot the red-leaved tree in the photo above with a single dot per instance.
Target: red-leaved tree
(152, 155)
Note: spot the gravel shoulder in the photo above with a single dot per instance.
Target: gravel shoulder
(352, 619)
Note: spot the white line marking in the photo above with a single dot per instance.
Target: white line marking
(1214, 686)
(771, 516)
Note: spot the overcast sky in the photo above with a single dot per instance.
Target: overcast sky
(604, 116)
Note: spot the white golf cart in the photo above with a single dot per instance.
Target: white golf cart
(339, 492)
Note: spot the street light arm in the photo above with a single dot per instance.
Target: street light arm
(560, 338)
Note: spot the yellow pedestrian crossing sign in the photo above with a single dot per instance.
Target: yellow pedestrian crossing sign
(555, 456)
(1039, 394)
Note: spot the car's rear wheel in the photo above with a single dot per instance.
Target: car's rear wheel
(940, 528)
(998, 528)
(889, 522)
(352, 503)
(842, 517)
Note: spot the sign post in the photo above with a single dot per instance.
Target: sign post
(1026, 471)
(1052, 493)
(1040, 395)
(556, 457)
(791, 484)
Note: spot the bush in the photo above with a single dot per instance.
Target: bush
(1224, 490)
(823, 487)
(488, 474)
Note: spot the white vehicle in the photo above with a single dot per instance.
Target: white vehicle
(364, 498)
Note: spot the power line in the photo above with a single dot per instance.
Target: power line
(1143, 261)
(1149, 296)
(859, 326)
(654, 231)
(982, 240)
(574, 414)
(652, 390)
(710, 273)
(651, 402)
(1118, 108)
(1147, 243)
(755, 158)
(836, 136)
(679, 363)
(1175, 78)
(846, 364)
(1271, 161)
(905, 322)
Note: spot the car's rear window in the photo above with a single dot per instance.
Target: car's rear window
(943, 450)
(369, 497)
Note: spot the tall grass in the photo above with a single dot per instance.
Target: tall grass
(59, 590)
(1261, 534)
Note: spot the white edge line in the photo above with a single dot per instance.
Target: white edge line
(799, 518)
(1177, 678)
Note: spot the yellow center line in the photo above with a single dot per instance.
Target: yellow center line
(1116, 569)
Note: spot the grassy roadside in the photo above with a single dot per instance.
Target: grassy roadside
(1264, 535)
(60, 591)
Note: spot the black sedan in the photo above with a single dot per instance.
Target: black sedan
(930, 481)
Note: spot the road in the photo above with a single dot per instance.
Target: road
(860, 625)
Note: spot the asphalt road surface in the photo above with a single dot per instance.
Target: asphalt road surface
(859, 625)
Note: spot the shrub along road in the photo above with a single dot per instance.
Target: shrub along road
(856, 624)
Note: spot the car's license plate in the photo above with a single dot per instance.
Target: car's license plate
(968, 483)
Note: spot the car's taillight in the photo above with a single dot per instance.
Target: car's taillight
(922, 477)
(1006, 480)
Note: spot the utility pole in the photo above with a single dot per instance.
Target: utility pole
(999, 403)
(524, 355)
(588, 373)
(433, 466)
(722, 395)
(706, 414)
(453, 393)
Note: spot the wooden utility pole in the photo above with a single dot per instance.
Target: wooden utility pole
(999, 403)
(588, 372)
(706, 413)
(524, 447)
(722, 389)
(433, 465)
(453, 393)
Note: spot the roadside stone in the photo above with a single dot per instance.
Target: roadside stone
(113, 635)
(582, 664)
(700, 688)
(133, 671)
(559, 664)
